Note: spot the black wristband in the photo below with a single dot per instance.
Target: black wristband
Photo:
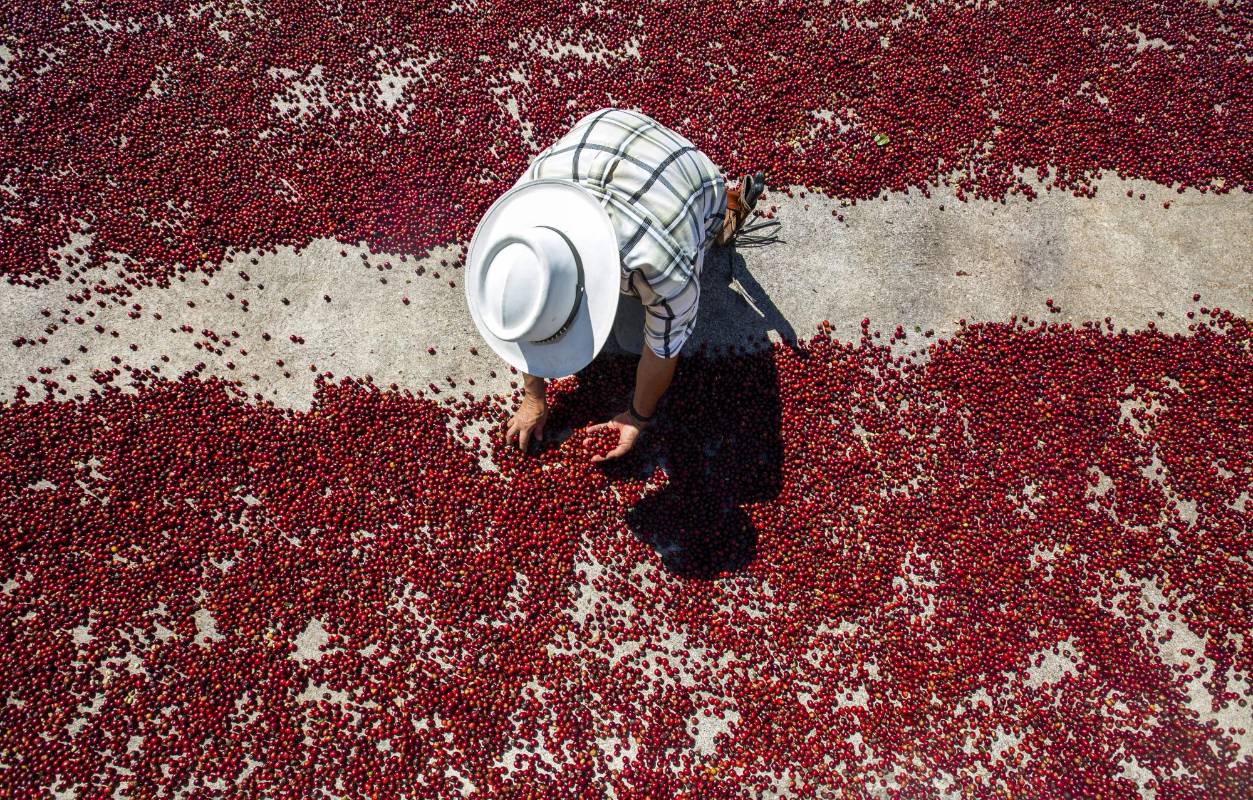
(638, 415)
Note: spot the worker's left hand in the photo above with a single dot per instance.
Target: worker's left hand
(628, 431)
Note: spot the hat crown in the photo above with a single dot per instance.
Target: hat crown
(528, 285)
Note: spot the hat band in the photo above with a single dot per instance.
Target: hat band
(578, 289)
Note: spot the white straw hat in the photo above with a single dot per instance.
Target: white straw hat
(543, 276)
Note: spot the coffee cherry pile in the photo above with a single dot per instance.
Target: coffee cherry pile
(145, 136)
(1016, 563)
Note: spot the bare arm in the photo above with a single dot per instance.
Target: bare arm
(535, 387)
(532, 414)
(652, 379)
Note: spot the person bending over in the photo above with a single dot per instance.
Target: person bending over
(605, 231)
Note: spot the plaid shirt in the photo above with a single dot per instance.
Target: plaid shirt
(667, 202)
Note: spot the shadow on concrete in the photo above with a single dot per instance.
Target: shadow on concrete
(726, 316)
(718, 436)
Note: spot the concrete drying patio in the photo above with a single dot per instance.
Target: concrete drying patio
(923, 263)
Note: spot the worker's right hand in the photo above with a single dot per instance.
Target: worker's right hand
(529, 420)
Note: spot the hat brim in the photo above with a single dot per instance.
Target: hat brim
(579, 215)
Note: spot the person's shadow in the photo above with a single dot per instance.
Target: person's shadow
(718, 433)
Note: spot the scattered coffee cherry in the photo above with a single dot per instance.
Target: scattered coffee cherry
(907, 553)
(1019, 567)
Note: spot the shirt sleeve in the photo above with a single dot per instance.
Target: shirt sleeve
(668, 322)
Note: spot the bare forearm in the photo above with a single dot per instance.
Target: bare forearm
(536, 388)
(652, 379)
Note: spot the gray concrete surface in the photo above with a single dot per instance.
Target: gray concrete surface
(919, 262)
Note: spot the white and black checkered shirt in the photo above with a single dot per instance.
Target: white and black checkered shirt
(667, 202)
